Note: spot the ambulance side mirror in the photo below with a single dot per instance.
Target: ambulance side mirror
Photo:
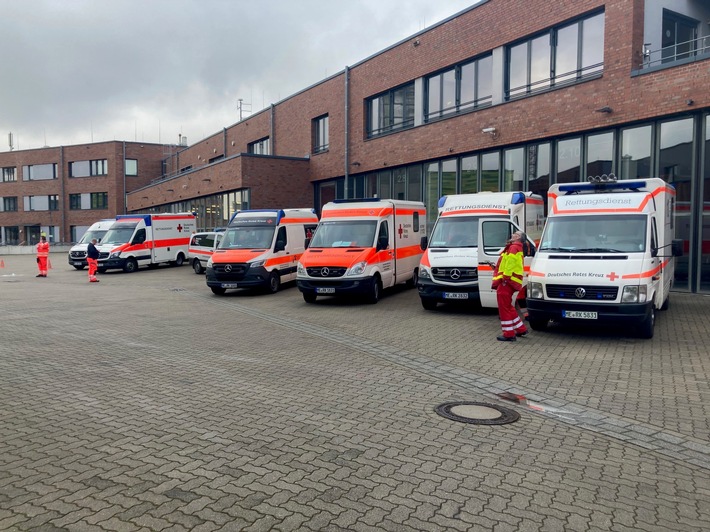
(279, 246)
(677, 247)
(424, 243)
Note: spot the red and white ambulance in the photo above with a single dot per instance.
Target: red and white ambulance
(146, 240)
(362, 246)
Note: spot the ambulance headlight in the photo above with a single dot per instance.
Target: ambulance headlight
(357, 269)
(114, 255)
(634, 294)
(301, 270)
(424, 273)
(535, 291)
(257, 263)
(209, 262)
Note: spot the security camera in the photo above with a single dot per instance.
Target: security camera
(488, 130)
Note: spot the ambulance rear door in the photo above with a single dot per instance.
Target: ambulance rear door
(493, 233)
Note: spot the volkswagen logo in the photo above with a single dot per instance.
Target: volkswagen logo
(325, 272)
(580, 293)
(228, 268)
(455, 274)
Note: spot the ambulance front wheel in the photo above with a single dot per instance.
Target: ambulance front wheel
(274, 282)
(130, 266)
(218, 290)
(309, 297)
(375, 290)
(645, 328)
(197, 266)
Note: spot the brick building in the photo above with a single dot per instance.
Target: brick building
(505, 95)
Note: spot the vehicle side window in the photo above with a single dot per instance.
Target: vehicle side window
(282, 235)
(384, 232)
(217, 240)
(208, 241)
(654, 235)
(415, 222)
(140, 236)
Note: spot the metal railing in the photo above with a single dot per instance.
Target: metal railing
(676, 52)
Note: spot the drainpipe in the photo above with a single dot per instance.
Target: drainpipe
(61, 189)
(224, 142)
(271, 127)
(347, 131)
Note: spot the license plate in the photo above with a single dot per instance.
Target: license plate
(229, 285)
(455, 295)
(77, 264)
(325, 290)
(580, 314)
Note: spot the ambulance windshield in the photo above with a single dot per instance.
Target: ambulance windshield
(455, 232)
(120, 233)
(248, 237)
(345, 234)
(90, 235)
(620, 233)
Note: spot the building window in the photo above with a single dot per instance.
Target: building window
(99, 200)
(74, 202)
(391, 111)
(9, 174)
(38, 172)
(9, 203)
(679, 37)
(461, 88)
(53, 203)
(320, 134)
(215, 159)
(131, 168)
(88, 168)
(41, 203)
(562, 55)
(259, 147)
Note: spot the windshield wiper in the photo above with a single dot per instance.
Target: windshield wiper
(598, 250)
(566, 250)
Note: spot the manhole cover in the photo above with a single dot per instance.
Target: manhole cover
(477, 413)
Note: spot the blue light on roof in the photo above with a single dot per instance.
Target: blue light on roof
(442, 201)
(518, 197)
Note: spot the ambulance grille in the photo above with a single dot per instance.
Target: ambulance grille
(573, 291)
(77, 254)
(455, 275)
(230, 271)
(103, 255)
(326, 271)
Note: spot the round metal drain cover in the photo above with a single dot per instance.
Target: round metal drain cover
(477, 413)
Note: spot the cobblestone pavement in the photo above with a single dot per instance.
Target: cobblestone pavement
(145, 402)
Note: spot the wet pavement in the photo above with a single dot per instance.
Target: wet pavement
(145, 402)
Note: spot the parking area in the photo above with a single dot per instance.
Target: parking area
(145, 402)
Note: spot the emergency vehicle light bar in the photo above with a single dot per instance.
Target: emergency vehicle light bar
(279, 213)
(602, 187)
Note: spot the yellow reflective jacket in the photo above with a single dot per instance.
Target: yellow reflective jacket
(509, 269)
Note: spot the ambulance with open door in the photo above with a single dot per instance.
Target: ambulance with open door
(362, 246)
(450, 269)
(260, 249)
(606, 254)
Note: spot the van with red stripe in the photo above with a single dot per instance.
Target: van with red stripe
(606, 254)
(260, 249)
(136, 240)
(450, 270)
(362, 246)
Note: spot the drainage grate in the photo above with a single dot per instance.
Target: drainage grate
(477, 413)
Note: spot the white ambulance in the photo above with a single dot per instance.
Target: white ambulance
(450, 269)
(202, 246)
(260, 249)
(606, 254)
(146, 240)
(77, 253)
(362, 246)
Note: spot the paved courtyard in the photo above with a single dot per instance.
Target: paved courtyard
(145, 402)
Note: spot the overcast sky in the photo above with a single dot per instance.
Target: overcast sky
(79, 71)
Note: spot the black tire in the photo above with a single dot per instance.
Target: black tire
(646, 327)
(375, 290)
(218, 291)
(180, 260)
(130, 266)
(538, 324)
(667, 303)
(274, 282)
(197, 266)
(428, 303)
(309, 297)
(79, 267)
(412, 283)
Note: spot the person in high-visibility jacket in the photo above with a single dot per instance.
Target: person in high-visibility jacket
(508, 279)
(42, 256)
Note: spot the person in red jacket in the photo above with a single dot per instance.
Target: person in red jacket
(42, 256)
(508, 279)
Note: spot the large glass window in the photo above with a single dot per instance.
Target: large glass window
(461, 88)
(391, 111)
(448, 177)
(514, 169)
(469, 175)
(432, 192)
(320, 134)
(562, 55)
(539, 169)
(37, 172)
(569, 160)
(490, 172)
(259, 147)
(8, 174)
(399, 178)
(600, 154)
(9, 203)
(74, 202)
(414, 182)
(384, 184)
(636, 152)
(679, 36)
(88, 168)
(705, 213)
(99, 200)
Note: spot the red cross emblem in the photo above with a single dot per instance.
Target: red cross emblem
(179, 228)
(400, 231)
(612, 276)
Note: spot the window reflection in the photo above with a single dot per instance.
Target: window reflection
(568, 160)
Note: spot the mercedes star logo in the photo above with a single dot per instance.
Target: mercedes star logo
(455, 274)
(228, 268)
(580, 292)
(325, 272)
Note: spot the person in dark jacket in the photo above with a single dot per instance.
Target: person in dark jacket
(92, 257)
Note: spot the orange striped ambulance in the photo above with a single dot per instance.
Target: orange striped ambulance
(260, 249)
(606, 254)
(362, 246)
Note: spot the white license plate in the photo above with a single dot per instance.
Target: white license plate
(581, 314)
(77, 264)
(230, 285)
(455, 295)
(325, 290)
